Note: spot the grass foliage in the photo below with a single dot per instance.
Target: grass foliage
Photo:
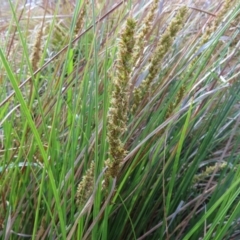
(120, 120)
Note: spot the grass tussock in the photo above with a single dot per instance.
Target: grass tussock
(119, 120)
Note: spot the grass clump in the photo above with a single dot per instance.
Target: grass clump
(119, 121)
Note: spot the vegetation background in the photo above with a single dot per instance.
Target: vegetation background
(119, 120)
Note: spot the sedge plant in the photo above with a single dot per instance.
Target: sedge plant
(119, 120)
